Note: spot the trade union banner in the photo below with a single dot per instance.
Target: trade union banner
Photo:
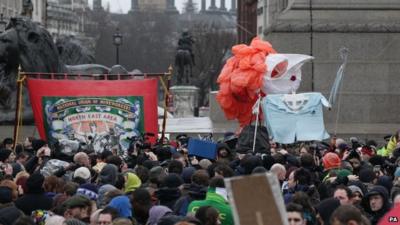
(96, 114)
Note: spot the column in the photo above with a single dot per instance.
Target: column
(233, 6)
(134, 6)
(203, 6)
(222, 6)
(212, 7)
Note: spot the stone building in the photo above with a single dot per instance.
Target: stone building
(68, 17)
(39, 11)
(370, 30)
(10, 8)
(13, 8)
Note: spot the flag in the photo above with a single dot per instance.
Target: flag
(100, 113)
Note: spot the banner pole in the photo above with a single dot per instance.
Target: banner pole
(18, 108)
(166, 102)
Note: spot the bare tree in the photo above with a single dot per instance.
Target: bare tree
(148, 41)
(212, 46)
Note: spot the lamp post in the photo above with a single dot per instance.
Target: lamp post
(3, 24)
(117, 40)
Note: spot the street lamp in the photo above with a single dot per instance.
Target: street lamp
(3, 24)
(117, 38)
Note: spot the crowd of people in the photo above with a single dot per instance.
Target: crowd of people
(344, 182)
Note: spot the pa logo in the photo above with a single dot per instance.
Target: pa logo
(393, 219)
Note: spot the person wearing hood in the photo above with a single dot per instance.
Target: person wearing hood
(123, 205)
(224, 152)
(35, 195)
(169, 191)
(103, 190)
(9, 215)
(217, 198)
(156, 213)
(108, 175)
(132, 182)
(194, 190)
(376, 203)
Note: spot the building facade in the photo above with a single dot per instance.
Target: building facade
(39, 13)
(10, 8)
(67, 17)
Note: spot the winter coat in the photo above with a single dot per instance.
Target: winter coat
(168, 196)
(216, 201)
(34, 201)
(195, 192)
(375, 216)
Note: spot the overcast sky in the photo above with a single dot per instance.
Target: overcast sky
(123, 6)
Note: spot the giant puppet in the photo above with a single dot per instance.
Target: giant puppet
(256, 74)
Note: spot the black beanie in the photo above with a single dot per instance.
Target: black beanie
(367, 175)
(326, 207)
(4, 154)
(172, 180)
(35, 183)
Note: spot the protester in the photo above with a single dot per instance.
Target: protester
(320, 183)
(295, 214)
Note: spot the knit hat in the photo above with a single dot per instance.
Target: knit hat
(377, 160)
(35, 183)
(83, 173)
(5, 195)
(4, 154)
(88, 190)
(74, 222)
(367, 175)
(343, 173)
(354, 189)
(331, 161)
(367, 151)
(326, 207)
(172, 180)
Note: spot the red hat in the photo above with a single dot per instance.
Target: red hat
(367, 151)
(331, 161)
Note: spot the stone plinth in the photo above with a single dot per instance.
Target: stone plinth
(185, 100)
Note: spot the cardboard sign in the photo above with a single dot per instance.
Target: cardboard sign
(204, 149)
(256, 200)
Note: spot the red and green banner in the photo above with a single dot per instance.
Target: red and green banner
(101, 114)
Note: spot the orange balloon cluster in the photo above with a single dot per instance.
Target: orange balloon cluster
(242, 78)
